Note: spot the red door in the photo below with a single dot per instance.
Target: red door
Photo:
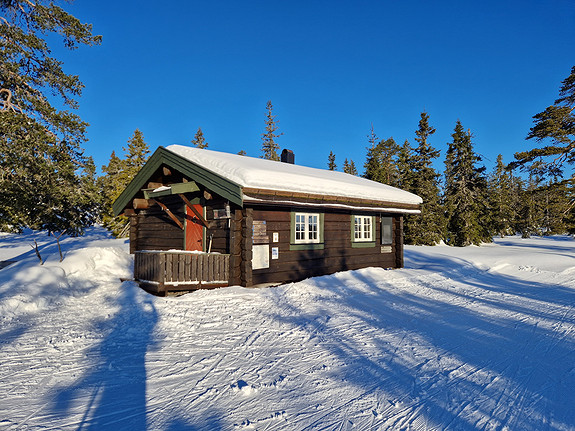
(194, 229)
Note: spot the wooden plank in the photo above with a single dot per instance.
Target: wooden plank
(161, 268)
(210, 260)
(187, 267)
(200, 268)
(181, 267)
(169, 267)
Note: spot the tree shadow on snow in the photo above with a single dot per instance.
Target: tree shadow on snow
(464, 354)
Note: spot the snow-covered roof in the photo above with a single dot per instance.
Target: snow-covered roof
(254, 173)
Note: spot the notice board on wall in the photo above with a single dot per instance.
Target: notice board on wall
(260, 256)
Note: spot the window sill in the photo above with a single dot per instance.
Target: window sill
(363, 244)
(310, 246)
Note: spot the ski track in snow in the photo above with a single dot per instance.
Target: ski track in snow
(480, 338)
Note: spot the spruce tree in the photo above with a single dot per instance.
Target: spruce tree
(269, 146)
(199, 141)
(405, 166)
(465, 192)
(501, 197)
(381, 161)
(427, 228)
(45, 175)
(136, 155)
(349, 167)
(119, 173)
(352, 169)
(331, 162)
(531, 211)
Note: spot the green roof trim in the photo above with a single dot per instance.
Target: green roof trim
(214, 182)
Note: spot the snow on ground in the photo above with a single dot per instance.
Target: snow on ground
(475, 338)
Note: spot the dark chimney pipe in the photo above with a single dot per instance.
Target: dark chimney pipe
(288, 156)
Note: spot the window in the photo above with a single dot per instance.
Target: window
(306, 228)
(362, 229)
(386, 230)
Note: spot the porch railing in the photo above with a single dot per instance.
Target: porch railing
(181, 270)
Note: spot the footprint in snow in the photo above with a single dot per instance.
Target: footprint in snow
(244, 388)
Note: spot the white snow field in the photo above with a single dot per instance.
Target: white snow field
(475, 338)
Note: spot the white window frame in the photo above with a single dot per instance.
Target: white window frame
(307, 228)
(363, 228)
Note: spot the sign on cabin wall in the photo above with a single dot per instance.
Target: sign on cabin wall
(260, 247)
(220, 213)
(260, 256)
(260, 232)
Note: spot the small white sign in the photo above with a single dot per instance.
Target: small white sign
(386, 249)
(275, 252)
(276, 237)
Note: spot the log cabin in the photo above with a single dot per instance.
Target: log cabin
(201, 218)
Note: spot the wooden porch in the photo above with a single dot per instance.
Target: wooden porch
(160, 272)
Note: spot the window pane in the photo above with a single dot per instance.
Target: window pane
(312, 227)
(386, 230)
(367, 227)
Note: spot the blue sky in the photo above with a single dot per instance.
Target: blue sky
(330, 68)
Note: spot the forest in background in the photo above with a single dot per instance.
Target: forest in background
(48, 183)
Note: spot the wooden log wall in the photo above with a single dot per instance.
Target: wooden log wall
(236, 247)
(219, 229)
(337, 255)
(153, 229)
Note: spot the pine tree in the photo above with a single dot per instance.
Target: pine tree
(427, 228)
(331, 162)
(43, 168)
(119, 173)
(199, 141)
(269, 146)
(465, 192)
(242, 153)
(557, 125)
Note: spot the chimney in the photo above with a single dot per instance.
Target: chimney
(288, 156)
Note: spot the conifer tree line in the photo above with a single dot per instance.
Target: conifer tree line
(465, 204)
(47, 182)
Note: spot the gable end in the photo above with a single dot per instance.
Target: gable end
(216, 183)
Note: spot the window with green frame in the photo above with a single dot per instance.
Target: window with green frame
(306, 231)
(362, 231)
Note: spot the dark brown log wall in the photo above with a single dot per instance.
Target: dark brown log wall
(153, 229)
(337, 255)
